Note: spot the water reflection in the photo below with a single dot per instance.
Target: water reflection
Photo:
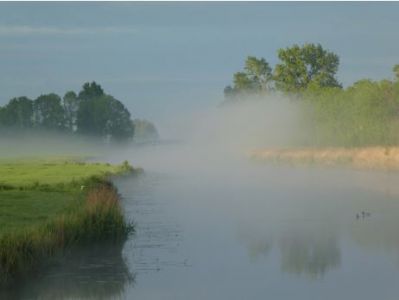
(94, 272)
(309, 254)
(303, 251)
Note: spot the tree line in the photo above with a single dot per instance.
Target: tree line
(299, 67)
(90, 112)
(365, 113)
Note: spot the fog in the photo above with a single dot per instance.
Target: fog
(211, 223)
(214, 224)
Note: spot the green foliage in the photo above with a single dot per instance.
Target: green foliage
(18, 113)
(49, 206)
(24, 208)
(48, 112)
(300, 67)
(396, 71)
(255, 78)
(104, 117)
(95, 217)
(38, 173)
(90, 91)
(71, 106)
(91, 112)
(364, 114)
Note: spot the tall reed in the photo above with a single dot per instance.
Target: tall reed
(95, 215)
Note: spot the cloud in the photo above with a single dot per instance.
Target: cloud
(47, 30)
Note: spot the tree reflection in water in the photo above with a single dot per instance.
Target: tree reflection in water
(304, 250)
(309, 254)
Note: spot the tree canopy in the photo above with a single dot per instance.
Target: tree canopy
(90, 112)
(255, 78)
(48, 112)
(301, 66)
(17, 113)
(298, 68)
(104, 116)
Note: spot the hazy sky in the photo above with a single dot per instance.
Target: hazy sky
(160, 57)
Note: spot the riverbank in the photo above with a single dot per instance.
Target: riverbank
(48, 206)
(370, 158)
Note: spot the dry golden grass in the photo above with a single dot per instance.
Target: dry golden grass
(381, 158)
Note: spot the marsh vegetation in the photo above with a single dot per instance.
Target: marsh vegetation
(49, 206)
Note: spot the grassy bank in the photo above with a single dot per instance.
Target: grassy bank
(377, 158)
(48, 206)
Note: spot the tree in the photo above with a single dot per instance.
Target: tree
(71, 106)
(104, 117)
(256, 78)
(302, 66)
(48, 112)
(91, 112)
(396, 71)
(144, 131)
(259, 73)
(17, 113)
(90, 91)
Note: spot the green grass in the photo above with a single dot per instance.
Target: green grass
(19, 209)
(44, 209)
(27, 173)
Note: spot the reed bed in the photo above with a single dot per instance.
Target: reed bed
(63, 205)
(377, 158)
(95, 217)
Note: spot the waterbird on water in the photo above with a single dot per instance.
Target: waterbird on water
(363, 214)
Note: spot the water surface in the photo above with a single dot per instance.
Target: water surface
(218, 228)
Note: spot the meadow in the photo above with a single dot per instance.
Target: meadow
(49, 205)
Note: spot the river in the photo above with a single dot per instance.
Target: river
(210, 227)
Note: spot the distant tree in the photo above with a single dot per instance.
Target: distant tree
(259, 72)
(48, 112)
(71, 106)
(104, 117)
(91, 112)
(396, 71)
(302, 66)
(144, 131)
(256, 78)
(18, 113)
(90, 91)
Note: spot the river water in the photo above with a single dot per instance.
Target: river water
(210, 227)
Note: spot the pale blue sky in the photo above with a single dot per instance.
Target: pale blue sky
(162, 57)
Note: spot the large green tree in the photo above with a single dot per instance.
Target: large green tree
(18, 113)
(71, 106)
(255, 78)
(302, 66)
(49, 112)
(90, 91)
(102, 115)
(90, 112)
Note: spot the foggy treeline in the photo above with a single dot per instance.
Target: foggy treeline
(91, 112)
(365, 113)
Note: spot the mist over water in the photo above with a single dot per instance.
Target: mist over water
(214, 225)
(211, 224)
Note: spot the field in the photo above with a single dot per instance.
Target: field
(48, 205)
(30, 172)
